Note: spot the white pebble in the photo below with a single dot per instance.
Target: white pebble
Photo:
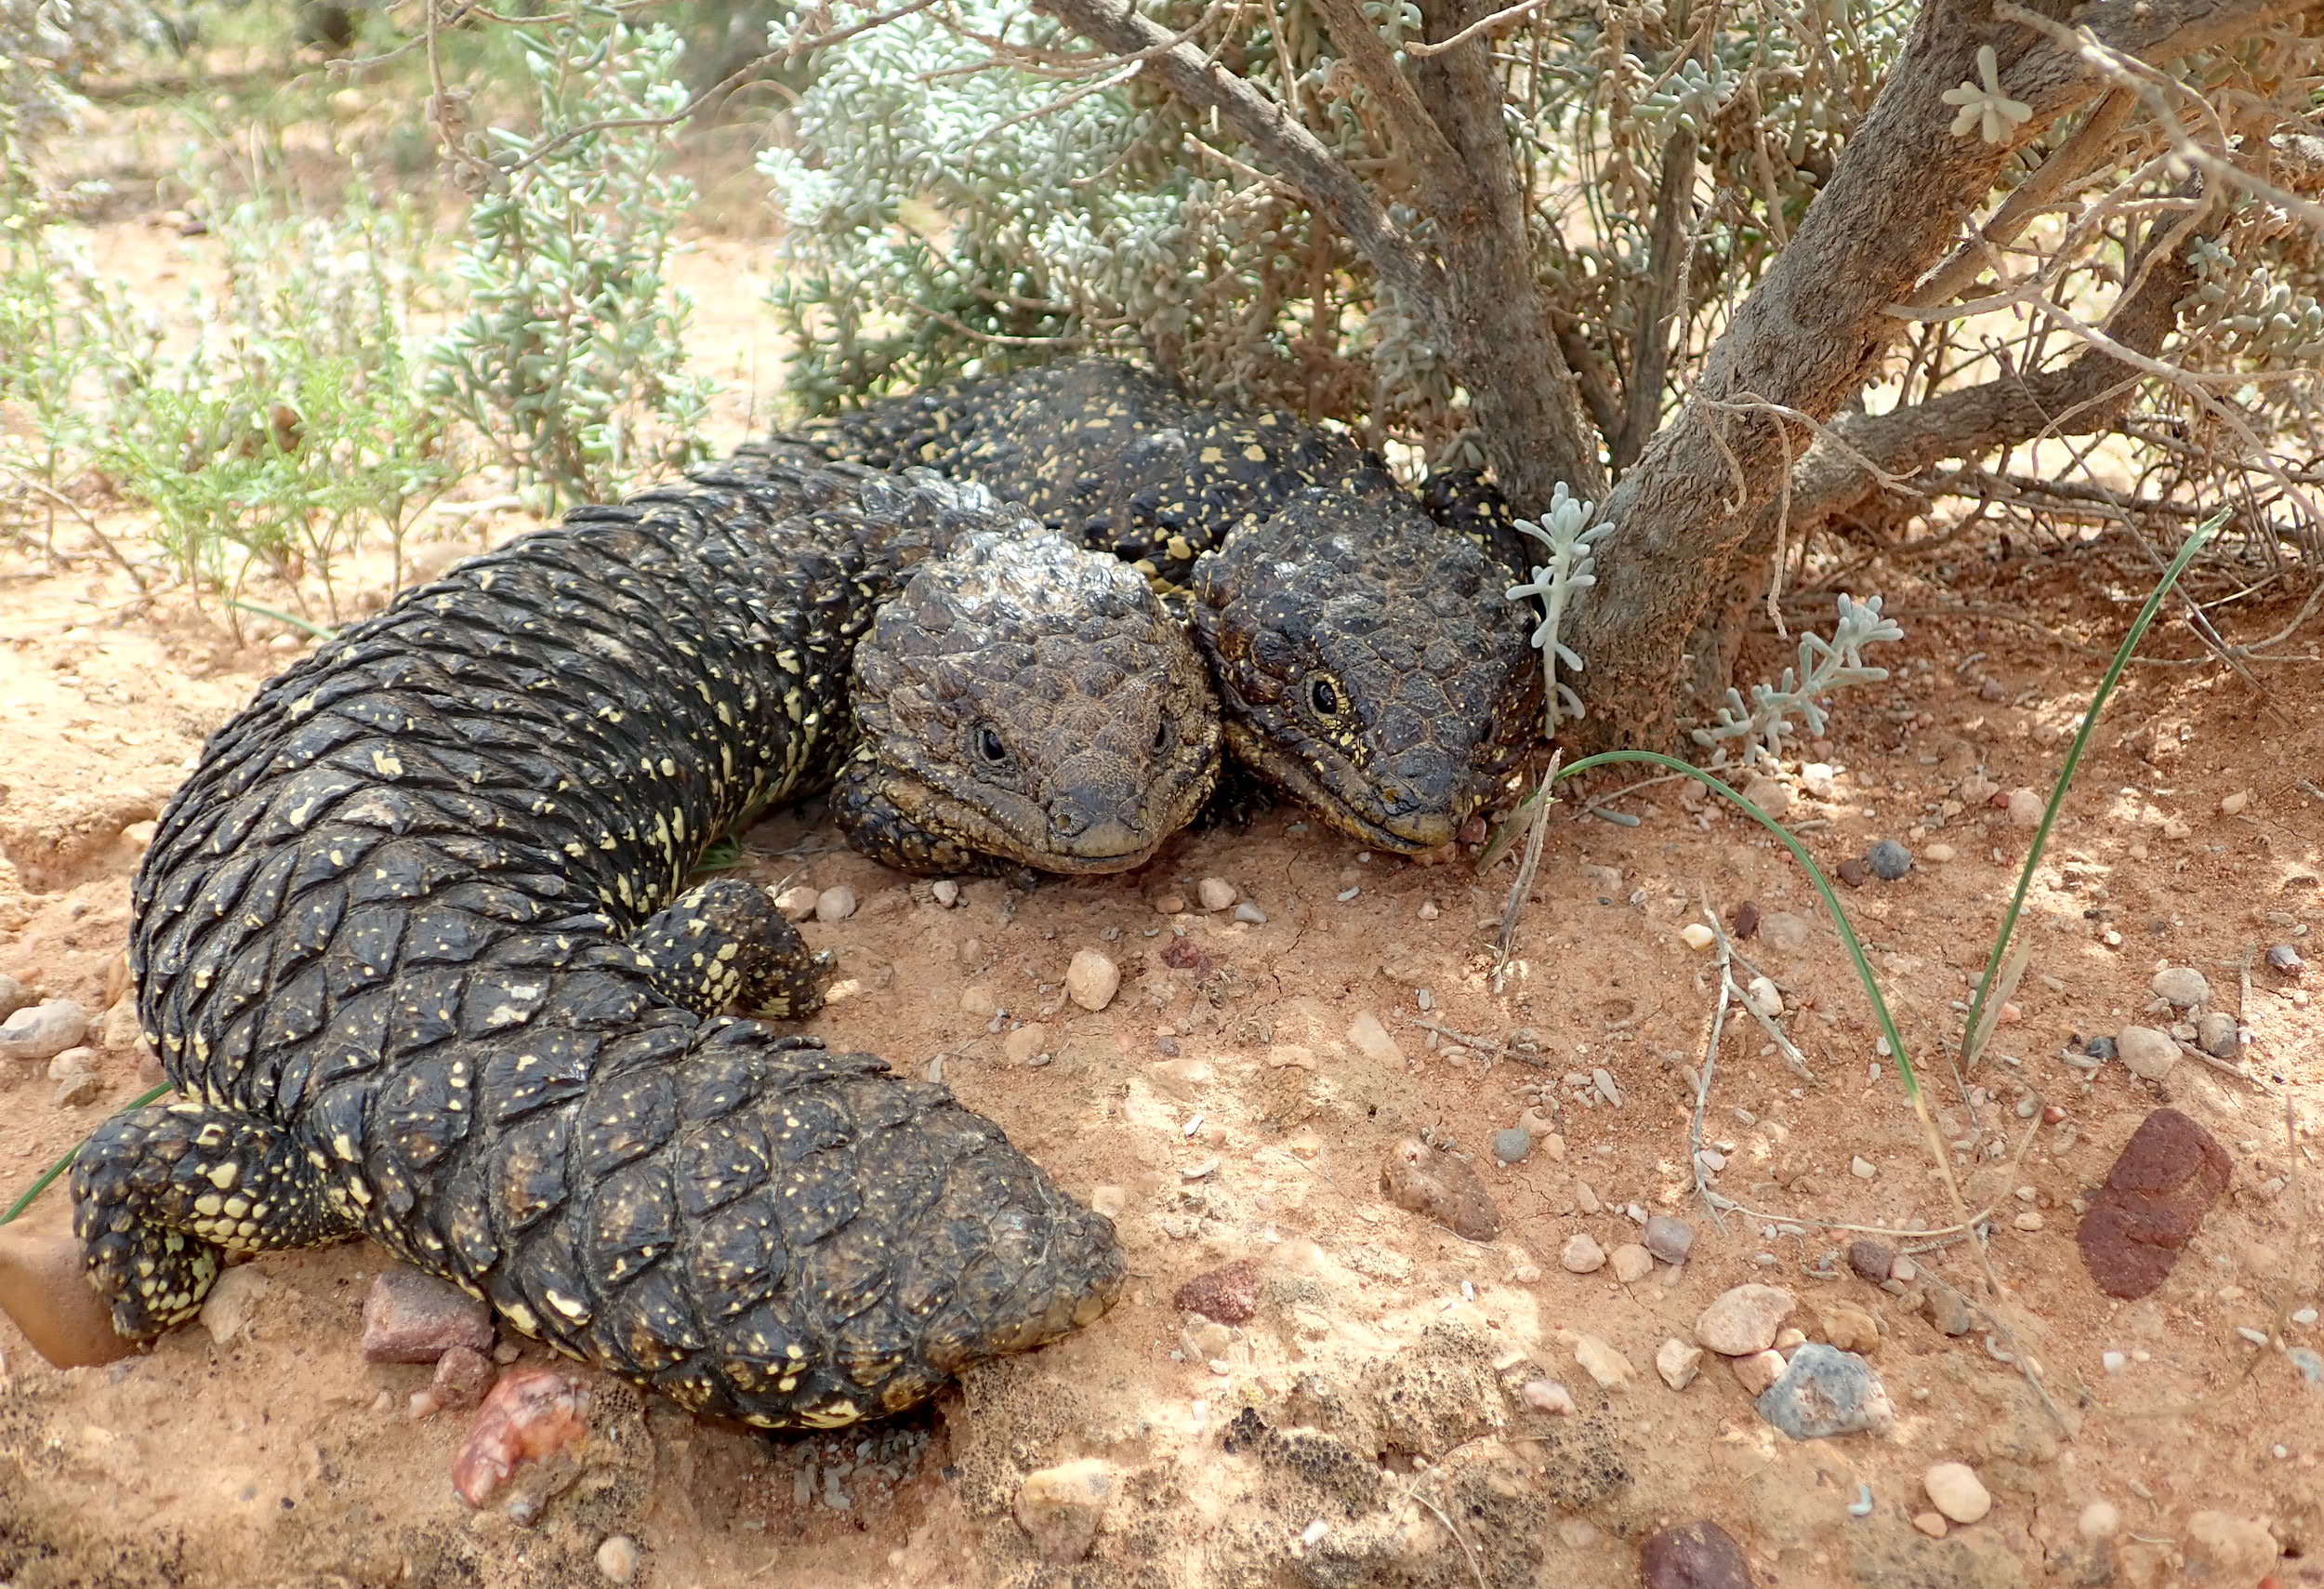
(1764, 997)
(946, 892)
(1939, 854)
(1602, 1362)
(2146, 1052)
(2028, 1221)
(1862, 1168)
(1956, 1491)
(2100, 1520)
(1548, 1395)
(1216, 893)
(1678, 1363)
(617, 1558)
(1581, 1255)
(1092, 979)
(2115, 1362)
(797, 903)
(1371, 1039)
(2235, 803)
(1250, 913)
(2306, 1315)
(835, 904)
(1632, 1262)
(2181, 984)
(2025, 808)
(1602, 1079)
(1694, 936)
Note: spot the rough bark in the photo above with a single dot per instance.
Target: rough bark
(1816, 330)
(2087, 394)
(1476, 291)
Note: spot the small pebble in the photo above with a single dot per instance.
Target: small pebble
(1694, 936)
(2028, 1221)
(946, 893)
(1602, 1362)
(2183, 985)
(1846, 1325)
(1512, 1144)
(1744, 1319)
(1061, 1508)
(412, 1317)
(1784, 931)
(1929, 1523)
(2234, 804)
(617, 1558)
(1371, 1039)
(1092, 979)
(2099, 1520)
(1548, 1395)
(2100, 1049)
(1937, 855)
(2285, 959)
(1216, 893)
(42, 1031)
(1581, 1255)
(1632, 1262)
(2215, 1033)
(1955, 1489)
(1763, 996)
(2146, 1052)
(2221, 1548)
(1871, 1260)
(1693, 1556)
(1168, 904)
(1745, 919)
(1667, 1239)
(835, 904)
(1854, 872)
(2025, 808)
(1228, 1295)
(463, 1375)
(78, 1088)
(798, 903)
(1678, 1362)
(1247, 912)
(14, 995)
(1889, 860)
(1862, 1168)
(1757, 1371)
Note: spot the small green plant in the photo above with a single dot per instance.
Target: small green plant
(570, 361)
(1572, 550)
(1760, 729)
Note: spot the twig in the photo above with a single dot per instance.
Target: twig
(1482, 25)
(1520, 893)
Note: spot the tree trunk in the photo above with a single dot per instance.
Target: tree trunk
(1816, 330)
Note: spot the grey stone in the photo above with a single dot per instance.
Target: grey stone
(2183, 985)
(14, 995)
(2146, 1052)
(2215, 1033)
(2285, 959)
(1826, 1391)
(1511, 1145)
(1669, 1239)
(1871, 1260)
(1889, 860)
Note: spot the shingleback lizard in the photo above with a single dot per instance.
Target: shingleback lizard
(412, 942)
(1365, 658)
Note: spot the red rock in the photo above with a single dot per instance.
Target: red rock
(2169, 1174)
(412, 1317)
(1694, 1556)
(1184, 954)
(530, 1414)
(1229, 1293)
(1441, 1187)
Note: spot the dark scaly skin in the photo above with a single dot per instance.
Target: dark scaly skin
(1027, 700)
(411, 940)
(1363, 656)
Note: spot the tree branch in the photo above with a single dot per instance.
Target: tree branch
(1816, 327)
(1667, 248)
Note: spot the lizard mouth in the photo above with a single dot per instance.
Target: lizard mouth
(1406, 834)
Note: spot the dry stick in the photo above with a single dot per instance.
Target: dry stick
(1702, 1081)
(1493, 1049)
(1514, 910)
(87, 523)
(1482, 25)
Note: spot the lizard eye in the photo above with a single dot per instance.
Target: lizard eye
(1324, 698)
(987, 746)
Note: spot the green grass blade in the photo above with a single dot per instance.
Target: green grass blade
(1815, 874)
(2196, 540)
(291, 619)
(61, 1165)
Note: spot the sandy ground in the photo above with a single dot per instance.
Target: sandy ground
(1370, 1422)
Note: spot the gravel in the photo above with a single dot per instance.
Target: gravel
(1581, 1255)
(1889, 860)
(1632, 1262)
(1512, 1144)
(835, 904)
(797, 903)
(1678, 1362)
(1216, 893)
